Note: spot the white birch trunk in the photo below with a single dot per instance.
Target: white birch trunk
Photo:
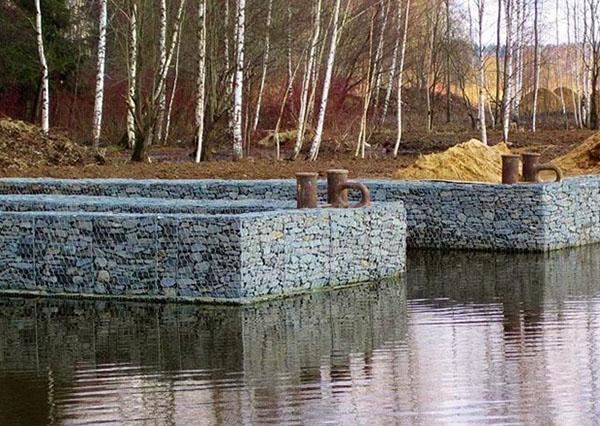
(481, 66)
(401, 78)
(572, 68)
(519, 55)
(289, 46)
(162, 42)
(536, 66)
(362, 135)
(264, 68)
(132, 77)
(226, 36)
(393, 67)
(99, 99)
(173, 92)
(316, 143)
(201, 79)
(238, 89)
(44, 66)
(306, 82)
(506, 101)
(164, 70)
(559, 68)
(377, 72)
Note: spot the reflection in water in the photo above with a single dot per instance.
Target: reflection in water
(463, 337)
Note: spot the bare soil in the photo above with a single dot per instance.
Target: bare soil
(176, 162)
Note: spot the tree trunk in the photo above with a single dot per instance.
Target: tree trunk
(265, 66)
(162, 100)
(44, 66)
(132, 77)
(306, 81)
(377, 71)
(401, 78)
(173, 92)
(481, 66)
(371, 69)
(498, 44)
(507, 73)
(99, 99)
(316, 143)
(448, 91)
(536, 65)
(237, 122)
(393, 68)
(201, 79)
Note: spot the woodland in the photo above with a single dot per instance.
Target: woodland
(299, 80)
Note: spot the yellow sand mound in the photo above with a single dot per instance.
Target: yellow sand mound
(470, 161)
(584, 159)
(547, 101)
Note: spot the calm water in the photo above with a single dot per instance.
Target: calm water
(463, 338)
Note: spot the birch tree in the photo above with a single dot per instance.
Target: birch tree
(306, 82)
(264, 67)
(536, 64)
(393, 67)
(44, 65)
(401, 78)
(99, 99)
(132, 70)
(506, 103)
(238, 89)
(201, 79)
(173, 92)
(162, 42)
(316, 143)
(385, 7)
(480, 4)
(149, 117)
(593, 62)
(370, 81)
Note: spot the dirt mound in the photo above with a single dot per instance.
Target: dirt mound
(23, 145)
(547, 101)
(584, 159)
(470, 161)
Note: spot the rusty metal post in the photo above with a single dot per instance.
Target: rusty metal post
(530, 163)
(510, 168)
(336, 196)
(306, 190)
(531, 168)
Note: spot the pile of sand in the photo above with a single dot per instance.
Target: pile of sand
(470, 161)
(23, 145)
(585, 159)
(547, 101)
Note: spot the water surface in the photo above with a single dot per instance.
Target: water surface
(462, 338)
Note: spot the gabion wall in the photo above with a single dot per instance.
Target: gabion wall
(527, 217)
(236, 258)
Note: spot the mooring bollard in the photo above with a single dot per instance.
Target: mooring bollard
(510, 168)
(337, 190)
(306, 190)
(531, 168)
(336, 196)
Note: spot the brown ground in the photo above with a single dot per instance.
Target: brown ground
(175, 163)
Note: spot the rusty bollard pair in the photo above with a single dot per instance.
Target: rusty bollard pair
(337, 190)
(531, 168)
